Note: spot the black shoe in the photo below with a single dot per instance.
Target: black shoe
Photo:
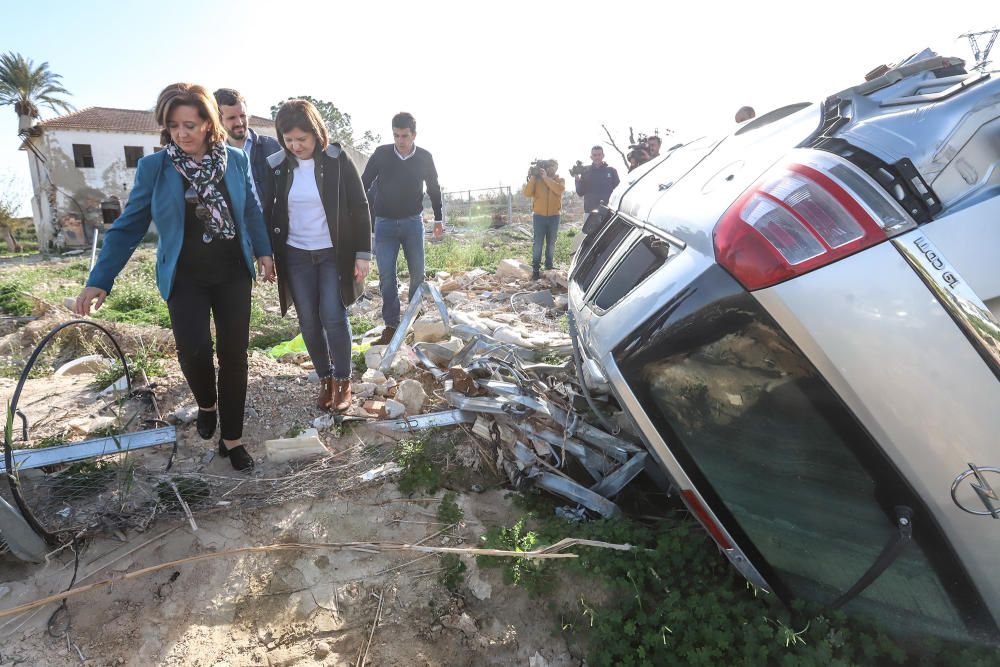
(238, 457)
(535, 275)
(386, 337)
(206, 422)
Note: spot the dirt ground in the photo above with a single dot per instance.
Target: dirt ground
(319, 606)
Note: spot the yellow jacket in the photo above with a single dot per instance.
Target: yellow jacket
(547, 194)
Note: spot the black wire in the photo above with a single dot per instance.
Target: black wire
(63, 608)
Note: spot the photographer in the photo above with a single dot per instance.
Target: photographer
(596, 182)
(546, 189)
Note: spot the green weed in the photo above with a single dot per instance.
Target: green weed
(13, 300)
(143, 360)
(422, 460)
(454, 572)
(449, 511)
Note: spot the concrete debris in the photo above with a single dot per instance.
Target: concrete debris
(556, 277)
(374, 376)
(455, 298)
(412, 395)
(384, 470)
(537, 660)
(430, 330)
(373, 356)
(465, 623)
(394, 409)
(89, 425)
(376, 408)
(120, 385)
(186, 415)
(92, 363)
(541, 297)
(512, 269)
(363, 389)
(306, 445)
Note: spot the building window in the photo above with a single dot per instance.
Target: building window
(83, 156)
(132, 155)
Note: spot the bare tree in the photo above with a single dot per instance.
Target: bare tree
(9, 208)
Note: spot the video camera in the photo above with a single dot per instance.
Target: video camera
(578, 169)
(538, 166)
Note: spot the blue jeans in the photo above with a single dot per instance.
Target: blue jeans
(545, 227)
(315, 284)
(390, 235)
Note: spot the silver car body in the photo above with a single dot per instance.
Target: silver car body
(895, 332)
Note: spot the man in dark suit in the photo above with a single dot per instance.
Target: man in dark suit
(233, 112)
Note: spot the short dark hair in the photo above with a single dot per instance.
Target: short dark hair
(404, 120)
(597, 148)
(228, 97)
(300, 115)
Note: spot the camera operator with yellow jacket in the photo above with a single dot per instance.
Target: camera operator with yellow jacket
(546, 189)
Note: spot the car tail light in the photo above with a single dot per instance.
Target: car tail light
(694, 504)
(806, 214)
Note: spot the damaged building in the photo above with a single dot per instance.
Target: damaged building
(83, 167)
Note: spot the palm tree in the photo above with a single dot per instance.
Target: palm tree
(27, 87)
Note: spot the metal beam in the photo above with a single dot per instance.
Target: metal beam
(22, 541)
(429, 420)
(580, 494)
(611, 485)
(25, 459)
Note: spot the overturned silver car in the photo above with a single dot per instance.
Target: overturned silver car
(800, 320)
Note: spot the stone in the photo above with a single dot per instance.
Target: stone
(374, 376)
(313, 377)
(373, 357)
(541, 297)
(472, 276)
(403, 363)
(69, 303)
(376, 408)
(442, 275)
(537, 660)
(450, 286)
(307, 365)
(556, 277)
(453, 344)
(363, 389)
(324, 422)
(512, 269)
(187, 414)
(119, 385)
(429, 330)
(455, 298)
(89, 425)
(465, 623)
(479, 587)
(411, 394)
(561, 302)
(306, 445)
(92, 363)
(394, 409)
(506, 334)
(322, 650)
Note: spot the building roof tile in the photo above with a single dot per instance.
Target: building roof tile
(121, 120)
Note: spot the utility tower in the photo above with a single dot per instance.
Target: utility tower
(981, 53)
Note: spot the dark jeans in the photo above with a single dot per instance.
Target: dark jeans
(546, 227)
(391, 234)
(315, 283)
(191, 304)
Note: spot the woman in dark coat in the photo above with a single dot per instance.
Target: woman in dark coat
(199, 192)
(321, 233)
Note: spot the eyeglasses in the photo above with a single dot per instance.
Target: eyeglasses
(201, 211)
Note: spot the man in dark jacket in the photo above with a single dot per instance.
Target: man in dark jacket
(597, 181)
(399, 172)
(233, 110)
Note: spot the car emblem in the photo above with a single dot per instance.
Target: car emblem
(977, 480)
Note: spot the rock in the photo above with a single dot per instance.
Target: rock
(403, 363)
(384, 470)
(376, 408)
(187, 414)
(307, 365)
(450, 286)
(541, 297)
(453, 344)
(4, 591)
(119, 385)
(306, 445)
(429, 330)
(89, 425)
(465, 623)
(556, 277)
(324, 422)
(411, 394)
(472, 276)
(537, 661)
(562, 302)
(455, 298)
(506, 334)
(373, 357)
(387, 389)
(363, 389)
(479, 587)
(69, 303)
(512, 269)
(394, 409)
(442, 275)
(322, 650)
(374, 376)
(313, 377)
(92, 363)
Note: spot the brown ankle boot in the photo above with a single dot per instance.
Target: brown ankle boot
(342, 395)
(325, 394)
(386, 337)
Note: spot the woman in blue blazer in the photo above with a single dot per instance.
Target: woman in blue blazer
(199, 192)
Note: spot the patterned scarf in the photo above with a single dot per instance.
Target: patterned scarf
(203, 178)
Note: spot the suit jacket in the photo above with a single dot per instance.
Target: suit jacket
(263, 146)
(158, 194)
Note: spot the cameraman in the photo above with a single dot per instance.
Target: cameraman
(546, 189)
(596, 182)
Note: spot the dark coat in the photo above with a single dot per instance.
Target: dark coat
(596, 186)
(346, 213)
(263, 147)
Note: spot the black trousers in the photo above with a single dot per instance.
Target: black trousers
(191, 304)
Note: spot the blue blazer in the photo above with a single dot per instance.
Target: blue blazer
(158, 194)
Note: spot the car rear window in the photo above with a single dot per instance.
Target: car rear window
(639, 263)
(594, 258)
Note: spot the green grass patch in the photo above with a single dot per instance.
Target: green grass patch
(13, 300)
(360, 324)
(135, 303)
(269, 329)
(423, 460)
(141, 361)
(449, 511)
(453, 573)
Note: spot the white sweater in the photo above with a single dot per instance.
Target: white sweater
(307, 227)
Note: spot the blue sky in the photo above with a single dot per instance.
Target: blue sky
(493, 85)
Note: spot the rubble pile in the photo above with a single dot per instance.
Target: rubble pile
(487, 350)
